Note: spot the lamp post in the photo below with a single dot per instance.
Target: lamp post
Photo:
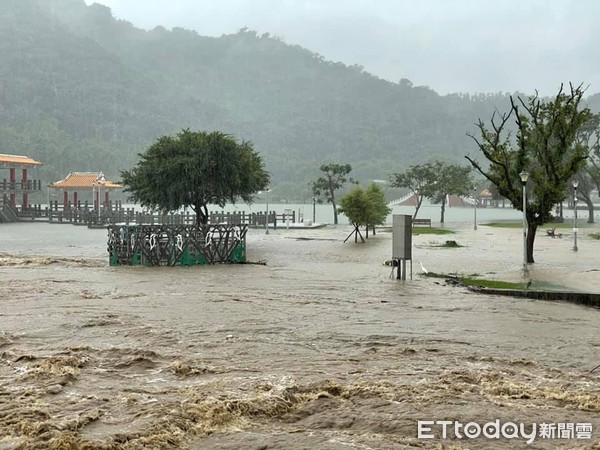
(524, 176)
(575, 183)
(475, 213)
(314, 200)
(267, 216)
(99, 203)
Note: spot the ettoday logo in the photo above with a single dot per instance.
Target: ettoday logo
(450, 429)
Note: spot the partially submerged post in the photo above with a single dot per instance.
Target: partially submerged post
(402, 244)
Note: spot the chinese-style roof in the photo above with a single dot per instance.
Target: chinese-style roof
(85, 180)
(410, 201)
(17, 160)
(455, 200)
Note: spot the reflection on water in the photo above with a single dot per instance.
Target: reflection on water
(318, 349)
(323, 213)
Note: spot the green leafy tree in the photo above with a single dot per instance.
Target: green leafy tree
(418, 179)
(196, 169)
(355, 205)
(546, 146)
(450, 179)
(334, 178)
(378, 210)
(364, 207)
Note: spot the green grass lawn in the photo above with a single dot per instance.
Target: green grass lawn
(497, 284)
(419, 230)
(431, 230)
(559, 225)
(474, 280)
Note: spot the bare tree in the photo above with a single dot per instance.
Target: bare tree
(334, 178)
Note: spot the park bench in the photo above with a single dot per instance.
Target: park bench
(421, 222)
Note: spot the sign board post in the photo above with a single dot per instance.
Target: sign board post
(402, 244)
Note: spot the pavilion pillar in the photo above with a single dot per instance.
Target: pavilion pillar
(65, 200)
(97, 200)
(12, 186)
(75, 199)
(25, 187)
(106, 198)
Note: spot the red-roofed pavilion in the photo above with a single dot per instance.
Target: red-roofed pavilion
(85, 181)
(25, 186)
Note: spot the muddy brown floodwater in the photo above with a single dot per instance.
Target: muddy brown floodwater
(319, 349)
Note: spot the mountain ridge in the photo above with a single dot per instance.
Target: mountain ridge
(81, 90)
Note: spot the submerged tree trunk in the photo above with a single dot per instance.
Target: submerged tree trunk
(588, 201)
(531, 230)
(443, 209)
(356, 234)
(332, 200)
(335, 214)
(419, 201)
(201, 214)
(590, 206)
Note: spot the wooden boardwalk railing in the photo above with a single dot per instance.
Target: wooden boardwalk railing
(19, 186)
(110, 215)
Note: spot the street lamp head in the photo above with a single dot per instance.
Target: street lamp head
(524, 176)
(575, 183)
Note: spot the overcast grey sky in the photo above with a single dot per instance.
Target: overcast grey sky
(448, 45)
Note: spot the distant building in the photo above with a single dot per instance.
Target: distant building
(79, 182)
(452, 200)
(18, 182)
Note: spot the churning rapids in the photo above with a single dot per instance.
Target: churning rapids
(319, 349)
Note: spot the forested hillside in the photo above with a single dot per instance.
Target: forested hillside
(80, 90)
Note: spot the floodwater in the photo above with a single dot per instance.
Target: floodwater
(323, 213)
(319, 349)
